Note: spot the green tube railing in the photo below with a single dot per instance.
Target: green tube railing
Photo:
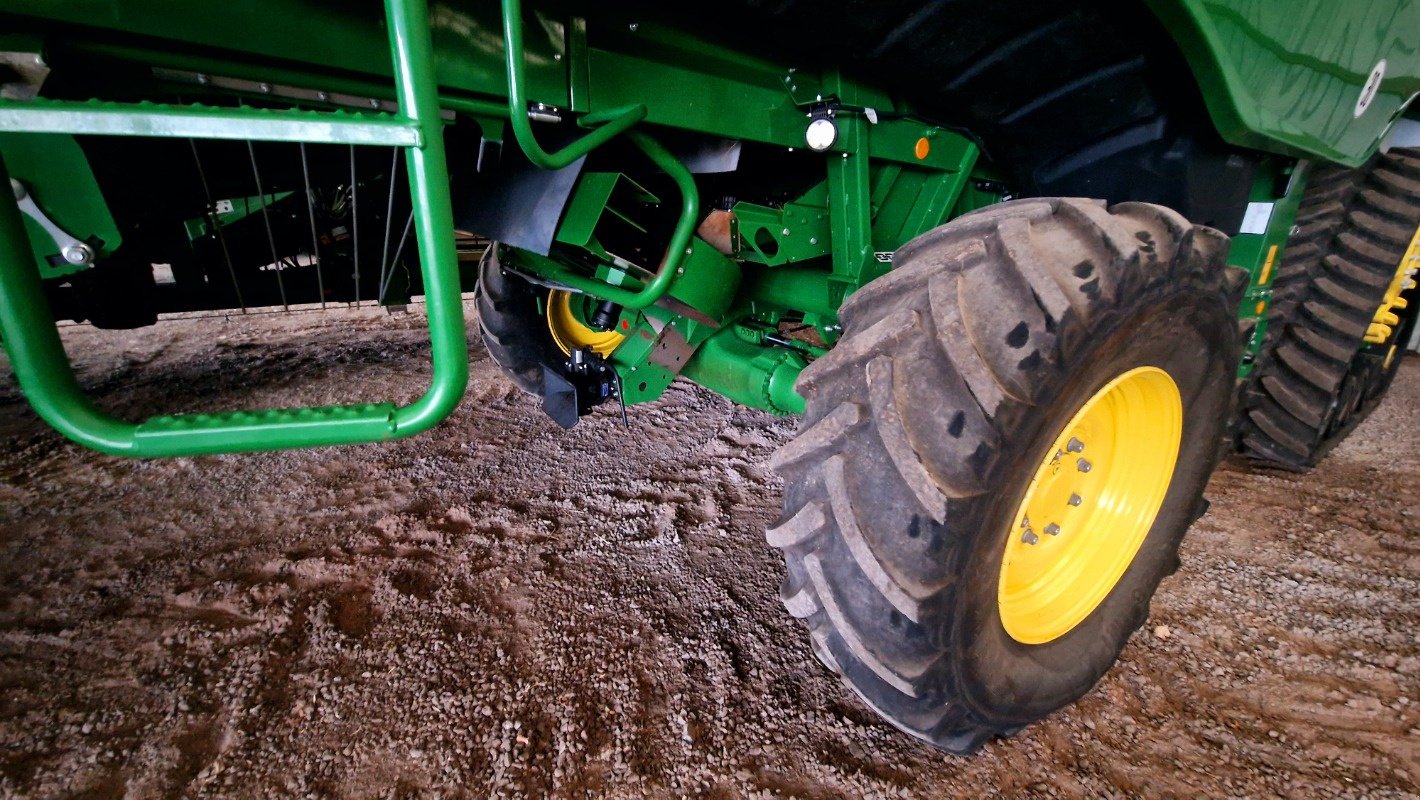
(32, 341)
(653, 291)
(605, 125)
(418, 93)
(618, 120)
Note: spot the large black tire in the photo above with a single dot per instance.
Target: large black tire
(925, 425)
(1315, 377)
(512, 327)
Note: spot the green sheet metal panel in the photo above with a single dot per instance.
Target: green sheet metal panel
(324, 34)
(1289, 75)
(55, 172)
(1280, 75)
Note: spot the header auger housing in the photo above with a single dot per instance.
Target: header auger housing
(973, 244)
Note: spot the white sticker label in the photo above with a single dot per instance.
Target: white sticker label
(1256, 218)
(1369, 89)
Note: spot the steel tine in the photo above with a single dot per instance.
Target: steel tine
(398, 251)
(217, 229)
(355, 224)
(266, 218)
(389, 218)
(311, 212)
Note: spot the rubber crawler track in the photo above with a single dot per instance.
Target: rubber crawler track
(1352, 229)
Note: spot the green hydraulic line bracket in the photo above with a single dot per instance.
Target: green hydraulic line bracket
(679, 248)
(612, 122)
(42, 368)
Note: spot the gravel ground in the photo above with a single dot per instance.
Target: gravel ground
(499, 608)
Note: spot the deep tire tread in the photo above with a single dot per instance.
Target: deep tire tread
(982, 309)
(508, 322)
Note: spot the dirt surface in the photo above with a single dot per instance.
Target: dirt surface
(502, 608)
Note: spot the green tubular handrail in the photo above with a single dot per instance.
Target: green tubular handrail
(417, 89)
(205, 122)
(647, 295)
(619, 120)
(43, 370)
(605, 125)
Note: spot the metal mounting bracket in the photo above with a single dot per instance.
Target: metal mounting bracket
(72, 250)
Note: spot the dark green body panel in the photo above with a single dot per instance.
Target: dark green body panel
(1286, 76)
(326, 35)
(1278, 75)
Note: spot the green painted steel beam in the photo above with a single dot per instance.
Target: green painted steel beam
(1276, 74)
(1260, 248)
(802, 289)
(850, 218)
(335, 46)
(208, 122)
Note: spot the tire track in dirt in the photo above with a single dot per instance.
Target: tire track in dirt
(500, 608)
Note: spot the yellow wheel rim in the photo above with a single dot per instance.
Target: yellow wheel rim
(1089, 506)
(570, 333)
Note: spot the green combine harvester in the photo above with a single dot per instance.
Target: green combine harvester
(1025, 269)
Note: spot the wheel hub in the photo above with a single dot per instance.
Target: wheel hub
(571, 333)
(1090, 505)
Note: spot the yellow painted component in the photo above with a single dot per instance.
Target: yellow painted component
(1090, 505)
(1390, 356)
(1385, 322)
(1267, 266)
(570, 333)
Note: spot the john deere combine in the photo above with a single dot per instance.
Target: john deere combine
(1011, 262)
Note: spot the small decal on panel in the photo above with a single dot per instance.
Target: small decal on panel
(1373, 85)
(1256, 218)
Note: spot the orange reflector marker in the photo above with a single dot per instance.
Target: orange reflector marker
(1261, 307)
(923, 148)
